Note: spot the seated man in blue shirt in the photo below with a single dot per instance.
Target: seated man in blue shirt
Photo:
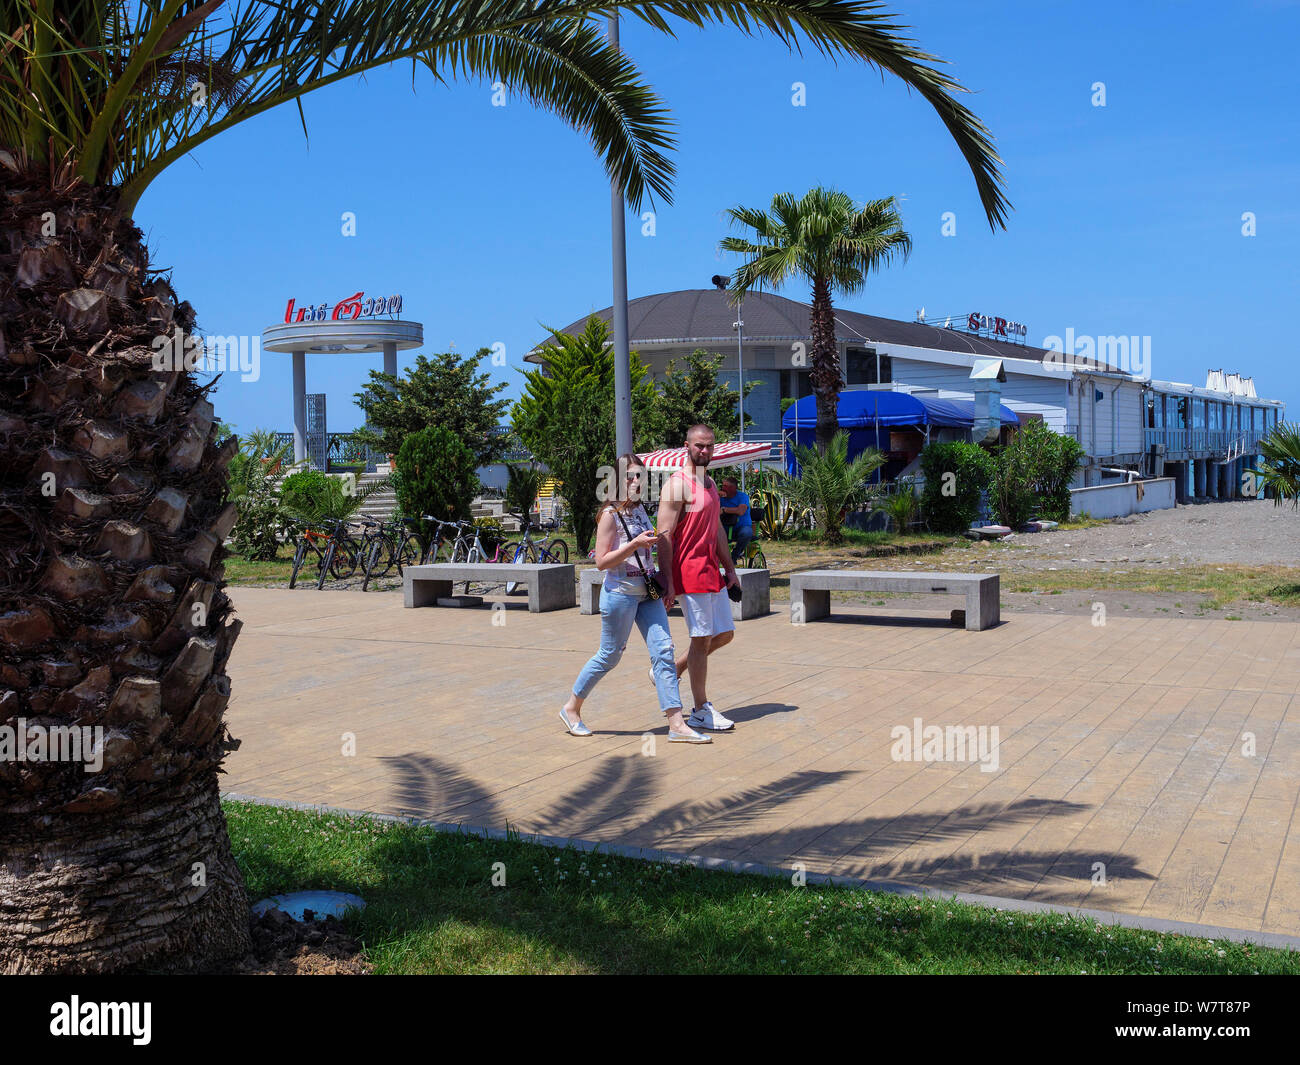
(735, 518)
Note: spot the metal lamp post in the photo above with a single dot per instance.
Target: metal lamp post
(720, 283)
(622, 365)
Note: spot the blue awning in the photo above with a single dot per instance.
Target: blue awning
(863, 409)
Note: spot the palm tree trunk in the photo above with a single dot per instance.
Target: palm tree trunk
(825, 376)
(113, 616)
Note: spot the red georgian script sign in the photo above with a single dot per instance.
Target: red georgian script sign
(358, 305)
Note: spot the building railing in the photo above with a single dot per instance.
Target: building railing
(1226, 440)
(341, 449)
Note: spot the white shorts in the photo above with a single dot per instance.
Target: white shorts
(707, 613)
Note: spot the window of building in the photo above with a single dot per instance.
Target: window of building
(860, 368)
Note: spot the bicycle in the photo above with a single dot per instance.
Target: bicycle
(533, 552)
(468, 545)
(397, 544)
(335, 552)
(753, 557)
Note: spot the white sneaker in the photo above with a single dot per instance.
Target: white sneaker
(707, 717)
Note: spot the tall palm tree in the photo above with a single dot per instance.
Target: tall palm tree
(113, 504)
(828, 241)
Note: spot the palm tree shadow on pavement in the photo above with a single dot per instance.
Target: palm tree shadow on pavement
(615, 804)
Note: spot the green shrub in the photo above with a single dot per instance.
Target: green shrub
(308, 493)
(491, 532)
(1011, 492)
(435, 475)
(261, 521)
(1033, 475)
(311, 497)
(955, 475)
(522, 487)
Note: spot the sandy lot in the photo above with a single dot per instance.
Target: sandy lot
(1246, 532)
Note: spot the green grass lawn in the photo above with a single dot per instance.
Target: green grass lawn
(432, 908)
(241, 571)
(1220, 585)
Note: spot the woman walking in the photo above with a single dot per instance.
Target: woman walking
(625, 541)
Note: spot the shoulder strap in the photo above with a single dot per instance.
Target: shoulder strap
(639, 568)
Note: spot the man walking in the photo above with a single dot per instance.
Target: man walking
(692, 537)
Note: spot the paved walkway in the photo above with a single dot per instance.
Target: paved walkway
(1124, 749)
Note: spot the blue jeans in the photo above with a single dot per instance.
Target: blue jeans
(618, 612)
(741, 540)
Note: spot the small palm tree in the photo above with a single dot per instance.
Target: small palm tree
(1280, 470)
(901, 507)
(829, 483)
(254, 475)
(828, 241)
(334, 499)
(523, 484)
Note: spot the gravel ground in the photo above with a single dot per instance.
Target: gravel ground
(1249, 532)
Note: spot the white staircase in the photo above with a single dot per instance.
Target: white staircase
(380, 506)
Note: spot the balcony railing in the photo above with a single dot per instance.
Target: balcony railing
(1233, 441)
(341, 450)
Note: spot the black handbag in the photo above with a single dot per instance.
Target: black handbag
(653, 589)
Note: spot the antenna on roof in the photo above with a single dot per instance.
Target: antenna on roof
(920, 315)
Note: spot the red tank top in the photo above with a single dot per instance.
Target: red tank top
(695, 540)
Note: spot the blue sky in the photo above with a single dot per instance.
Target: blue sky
(490, 220)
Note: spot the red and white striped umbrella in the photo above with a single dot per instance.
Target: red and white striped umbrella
(729, 454)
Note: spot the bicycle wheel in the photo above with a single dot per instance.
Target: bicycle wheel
(326, 560)
(517, 556)
(758, 560)
(410, 552)
(428, 553)
(558, 551)
(299, 557)
(378, 561)
(344, 562)
(387, 555)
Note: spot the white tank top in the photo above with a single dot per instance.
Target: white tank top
(624, 577)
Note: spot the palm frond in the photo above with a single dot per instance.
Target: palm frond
(113, 85)
(1280, 470)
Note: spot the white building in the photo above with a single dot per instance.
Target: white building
(1202, 436)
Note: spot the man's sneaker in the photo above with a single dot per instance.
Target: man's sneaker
(706, 717)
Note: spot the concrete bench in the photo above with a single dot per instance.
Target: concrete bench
(755, 593)
(550, 587)
(810, 591)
